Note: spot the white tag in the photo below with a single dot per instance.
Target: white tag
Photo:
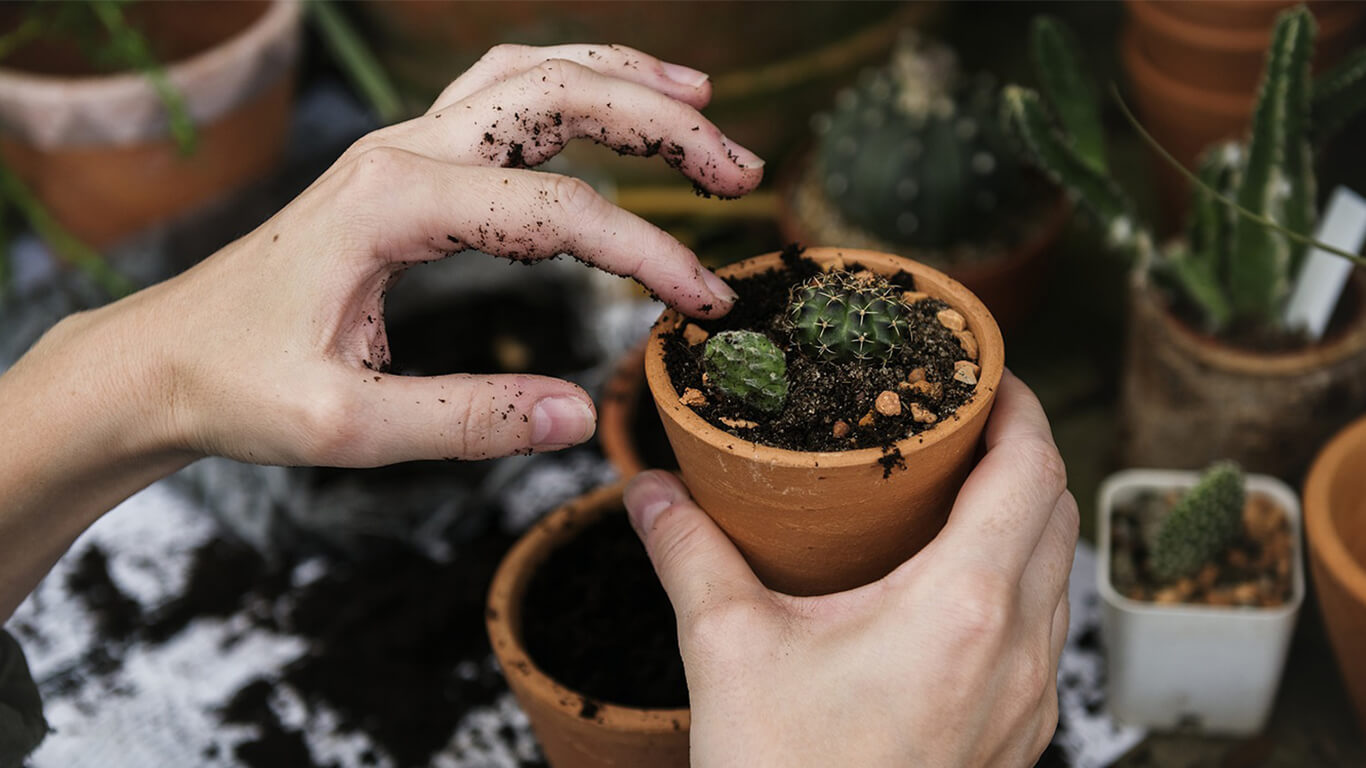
(1323, 275)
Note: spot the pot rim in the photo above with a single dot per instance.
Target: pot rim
(991, 358)
(278, 15)
(1168, 479)
(1323, 539)
(503, 618)
(1331, 19)
(1146, 76)
(1294, 362)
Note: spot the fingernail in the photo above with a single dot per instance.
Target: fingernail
(561, 421)
(645, 497)
(718, 287)
(741, 156)
(684, 75)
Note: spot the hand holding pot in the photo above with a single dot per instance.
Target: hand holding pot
(950, 660)
(271, 351)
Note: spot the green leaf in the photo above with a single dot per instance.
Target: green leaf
(1211, 223)
(1339, 95)
(1062, 78)
(1024, 114)
(132, 49)
(360, 65)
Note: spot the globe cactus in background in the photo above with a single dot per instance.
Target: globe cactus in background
(746, 366)
(840, 316)
(914, 153)
(1201, 525)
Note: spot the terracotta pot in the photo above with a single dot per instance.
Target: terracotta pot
(1194, 67)
(614, 736)
(628, 425)
(1011, 286)
(96, 149)
(1335, 519)
(1189, 399)
(820, 522)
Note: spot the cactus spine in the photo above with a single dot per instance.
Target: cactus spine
(746, 366)
(839, 316)
(1232, 268)
(1202, 524)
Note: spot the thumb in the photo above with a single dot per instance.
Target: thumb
(696, 562)
(461, 416)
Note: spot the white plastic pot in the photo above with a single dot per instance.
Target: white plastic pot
(1212, 669)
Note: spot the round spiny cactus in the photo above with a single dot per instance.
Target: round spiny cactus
(839, 316)
(1201, 525)
(913, 153)
(746, 366)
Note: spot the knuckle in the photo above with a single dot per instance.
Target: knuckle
(1041, 458)
(985, 607)
(1034, 672)
(502, 52)
(715, 627)
(557, 72)
(575, 198)
(1071, 515)
(374, 164)
(325, 421)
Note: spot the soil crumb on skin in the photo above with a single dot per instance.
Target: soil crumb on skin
(598, 622)
(822, 393)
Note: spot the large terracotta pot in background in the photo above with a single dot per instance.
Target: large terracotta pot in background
(820, 522)
(96, 149)
(629, 429)
(1194, 67)
(613, 736)
(1189, 399)
(1335, 520)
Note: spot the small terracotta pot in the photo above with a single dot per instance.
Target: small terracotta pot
(1335, 519)
(613, 736)
(820, 522)
(1011, 286)
(629, 429)
(1189, 399)
(96, 150)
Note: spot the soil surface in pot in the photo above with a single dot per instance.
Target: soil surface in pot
(597, 620)
(1254, 571)
(821, 393)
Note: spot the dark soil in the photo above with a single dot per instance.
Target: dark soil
(820, 393)
(1254, 571)
(597, 620)
(117, 616)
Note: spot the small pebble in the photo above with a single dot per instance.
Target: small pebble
(968, 342)
(1167, 596)
(1245, 594)
(840, 429)
(1219, 597)
(922, 414)
(888, 403)
(911, 297)
(1207, 576)
(739, 423)
(1237, 558)
(951, 319)
(864, 276)
(933, 391)
(916, 374)
(867, 419)
(694, 334)
(1185, 588)
(693, 398)
(706, 380)
(966, 371)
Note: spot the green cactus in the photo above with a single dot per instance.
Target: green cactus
(838, 316)
(1236, 265)
(913, 153)
(746, 366)
(1201, 525)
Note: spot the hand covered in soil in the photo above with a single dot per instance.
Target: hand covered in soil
(950, 660)
(272, 350)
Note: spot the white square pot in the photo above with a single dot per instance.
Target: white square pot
(1211, 668)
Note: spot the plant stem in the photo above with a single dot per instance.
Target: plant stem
(66, 245)
(355, 58)
(133, 46)
(1240, 210)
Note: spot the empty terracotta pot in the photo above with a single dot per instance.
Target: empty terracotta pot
(1188, 398)
(1335, 519)
(820, 522)
(571, 734)
(96, 148)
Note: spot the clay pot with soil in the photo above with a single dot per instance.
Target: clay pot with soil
(97, 147)
(912, 160)
(1215, 365)
(587, 640)
(827, 422)
(1202, 580)
(629, 429)
(1335, 522)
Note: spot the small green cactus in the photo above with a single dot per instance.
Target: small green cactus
(1202, 524)
(1232, 269)
(838, 316)
(746, 366)
(913, 153)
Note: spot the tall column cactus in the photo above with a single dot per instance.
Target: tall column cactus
(1235, 265)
